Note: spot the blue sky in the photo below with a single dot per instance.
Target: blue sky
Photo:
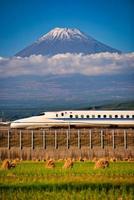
(23, 21)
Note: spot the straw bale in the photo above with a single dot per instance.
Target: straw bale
(50, 164)
(101, 163)
(68, 163)
(5, 164)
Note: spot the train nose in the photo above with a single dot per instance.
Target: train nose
(15, 124)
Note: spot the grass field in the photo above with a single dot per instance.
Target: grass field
(32, 181)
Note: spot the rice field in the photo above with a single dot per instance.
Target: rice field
(32, 180)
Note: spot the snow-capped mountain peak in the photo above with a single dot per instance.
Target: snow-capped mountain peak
(63, 34)
(65, 40)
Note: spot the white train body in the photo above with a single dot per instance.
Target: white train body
(76, 117)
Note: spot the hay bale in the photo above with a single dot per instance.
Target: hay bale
(68, 163)
(50, 164)
(5, 164)
(101, 163)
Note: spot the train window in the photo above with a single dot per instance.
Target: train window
(71, 116)
(56, 115)
(82, 116)
(62, 114)
(104, 116)
(110, 116)
(87, 116)
(99, 116)
(127, 116)
(116, 116)
(76, 116)
(122, 116)
(93, 116)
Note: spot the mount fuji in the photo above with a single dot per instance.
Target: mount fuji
(63, 91)
(65, 40)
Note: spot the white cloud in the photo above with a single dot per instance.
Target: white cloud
(91, 65)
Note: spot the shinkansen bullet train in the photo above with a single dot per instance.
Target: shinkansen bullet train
(77, 118)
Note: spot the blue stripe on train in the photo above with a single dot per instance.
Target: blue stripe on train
(88, 119)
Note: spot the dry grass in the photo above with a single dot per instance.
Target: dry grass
(68, 163)
(50, 164)
(101, 163)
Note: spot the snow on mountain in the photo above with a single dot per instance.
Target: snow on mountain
(63, 34)
(65, 40)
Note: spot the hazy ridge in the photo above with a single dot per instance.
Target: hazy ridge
(11, 112)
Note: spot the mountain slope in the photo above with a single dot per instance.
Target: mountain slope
(65, 40)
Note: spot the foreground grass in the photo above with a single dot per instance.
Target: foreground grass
(31, 180)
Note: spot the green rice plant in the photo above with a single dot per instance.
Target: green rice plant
(31, 180)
